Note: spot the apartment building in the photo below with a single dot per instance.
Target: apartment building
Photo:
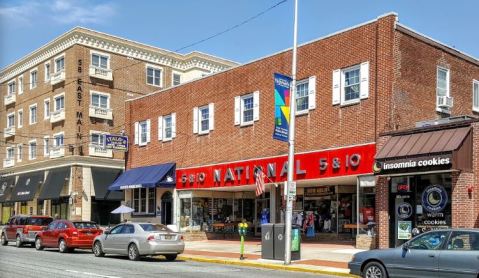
(57, 105)
(359, 92)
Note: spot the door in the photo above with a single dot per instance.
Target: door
(460, 258)
(420, 258)
(124, 238)
(110, 244)
(11, 228)
(47, 236)
(166, 208)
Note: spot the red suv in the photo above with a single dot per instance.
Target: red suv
(23, 229)
(67, 235)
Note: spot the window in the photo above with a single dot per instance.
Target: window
(11, 120)
(10, 153)
(33, 79)
(20, 118)
(20, 85)
(475, 95)
(302, 96)
(143, 133)
(442, 88)
(167, 128)
(153, 76)
(19, 152)
(247, 109)
(204, 119)
(99, 100)
(429, 241)
(46, 146)
(60, 64)
(46, 107)
(99, 60)
(117, 229)
(98, 139)
(47, 71)
(176, 79)
(58, 140)
(464, 241)
(351, 84)
(59, 103)
(11, 88)
(32, 150)
(144, 200)
(33, 114)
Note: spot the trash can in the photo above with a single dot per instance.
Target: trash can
(279, 242)
(267, 241)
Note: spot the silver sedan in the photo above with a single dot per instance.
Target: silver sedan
(139, 239)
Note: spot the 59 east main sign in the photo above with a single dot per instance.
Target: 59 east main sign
(308, 166)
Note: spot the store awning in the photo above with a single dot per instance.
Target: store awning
(162, 175)
(6, 188)
(102, 178)
(27, 186)
(439, 141)
(54, 183)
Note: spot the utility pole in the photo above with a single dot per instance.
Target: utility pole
(292, 116)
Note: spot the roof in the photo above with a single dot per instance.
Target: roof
(438, 141)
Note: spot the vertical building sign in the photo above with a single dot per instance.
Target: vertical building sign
(79, 113)
(282, 97)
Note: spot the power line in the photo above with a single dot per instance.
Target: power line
(232, 27)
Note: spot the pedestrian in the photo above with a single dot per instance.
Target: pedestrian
(57, 216)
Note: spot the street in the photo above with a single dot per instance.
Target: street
(27, 262)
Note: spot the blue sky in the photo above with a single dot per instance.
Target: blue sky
(27, 25)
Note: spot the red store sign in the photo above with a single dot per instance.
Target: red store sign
(308, 166)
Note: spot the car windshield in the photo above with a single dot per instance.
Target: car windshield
(85, 225)
(40, 221)
(154, 228)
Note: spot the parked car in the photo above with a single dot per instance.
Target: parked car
(67, 235)
(139, 239)
(23, 229)
(438, 253)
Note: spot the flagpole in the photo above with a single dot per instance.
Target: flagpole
(292, 115)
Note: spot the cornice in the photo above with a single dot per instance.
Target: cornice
(112, 44)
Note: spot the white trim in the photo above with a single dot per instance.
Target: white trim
(162, 72)
(14, 119)
(343, 84)
(299, 83)
(448, 79)
(19, 157)
(30, 114)
(108, 95)
(46, 153)
(173, 72)
(45, 117)
(99, 53)
(55, 102)
(62, 133)
(30, 149)
(47, 79)
(201, 132)
(18, 118)
(35, 69)
(10, 148)
(280, 155)
(62, 55)
(163, 131)
(242, 122)
(21, 84)
(475, 82)
(140, 142)
(15, 87)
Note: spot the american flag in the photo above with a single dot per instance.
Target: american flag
(259, 182)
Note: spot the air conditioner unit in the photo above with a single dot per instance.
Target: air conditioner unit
(444, 102)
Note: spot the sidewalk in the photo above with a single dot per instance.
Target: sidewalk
(320, 258)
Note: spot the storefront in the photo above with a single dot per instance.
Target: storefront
(6, 188)
(428, 177)
(214, 198)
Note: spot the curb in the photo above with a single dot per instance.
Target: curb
(263, 265)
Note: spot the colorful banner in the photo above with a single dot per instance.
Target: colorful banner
(282, 96)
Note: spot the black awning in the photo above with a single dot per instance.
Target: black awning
(27, 186)
(102, 178)
(53, 185)
(6, 188)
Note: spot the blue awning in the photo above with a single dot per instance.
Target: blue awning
(162, 175)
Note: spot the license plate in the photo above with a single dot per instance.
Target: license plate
(168, 237)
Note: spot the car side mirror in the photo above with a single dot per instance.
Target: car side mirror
(405, 246)
(107, 232)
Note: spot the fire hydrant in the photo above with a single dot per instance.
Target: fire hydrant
(242, 230)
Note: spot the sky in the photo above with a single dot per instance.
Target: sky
(27, 25)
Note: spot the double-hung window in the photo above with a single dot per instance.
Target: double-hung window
(203, 119)
(58, 140)
(154, 75)
(11, 120)
(11, 88)
(302, 97)
(60, 64)
(20, 118)
(46, 109)
(20, 85)
(46, 146)
(19, 152)
(47, 71)
(98, 139)
(475, 95)
(167, 127)
(442, 89)
(176, 79)
(10, 153)
(33, 114)
(144, 200)
(32, 149)
(59, 103)
(143, 130)
(99, 100)
(351, 85)
(246, 109)
(100, 61)
(33, 79)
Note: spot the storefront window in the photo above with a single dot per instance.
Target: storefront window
(23, 208)
(59, 208)
(366, 205)
(144, 201)
(7, 212)
(185, 213)
(200, 215)
(40, 207)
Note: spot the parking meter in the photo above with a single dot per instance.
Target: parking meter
(242, 230)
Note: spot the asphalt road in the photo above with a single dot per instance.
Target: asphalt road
(28, 262)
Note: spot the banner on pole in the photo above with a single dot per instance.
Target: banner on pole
(282, 96)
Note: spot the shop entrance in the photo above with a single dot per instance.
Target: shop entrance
(418, 204)
(166, 208)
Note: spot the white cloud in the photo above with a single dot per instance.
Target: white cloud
(59, 11)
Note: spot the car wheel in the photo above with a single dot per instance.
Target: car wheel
(18, 242)
(133, 253)
(171, 257)
(374, 270)
(38, 244)
(98, 250)
(4, 240)
(62, 246)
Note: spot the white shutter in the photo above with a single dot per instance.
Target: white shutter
(312, 93)
(211, 108)
(237, 110)
(336, 87)
(195, 120)
(256, 106)
(148, 130)
(364, 87)
(160, 128)
(173, 125)
(137, 138)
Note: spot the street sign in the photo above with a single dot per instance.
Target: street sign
(116, 142)
(292, 188)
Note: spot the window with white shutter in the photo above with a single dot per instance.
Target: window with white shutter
(211, 108)
(137, 136)
(305, 95)
(204, 120)
(195, 120)
(160, 128)
(167, 127)
(143, 133)
(351, 85)
(237, 110)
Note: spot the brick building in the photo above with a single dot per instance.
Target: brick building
(356, 89)
(57, 105)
